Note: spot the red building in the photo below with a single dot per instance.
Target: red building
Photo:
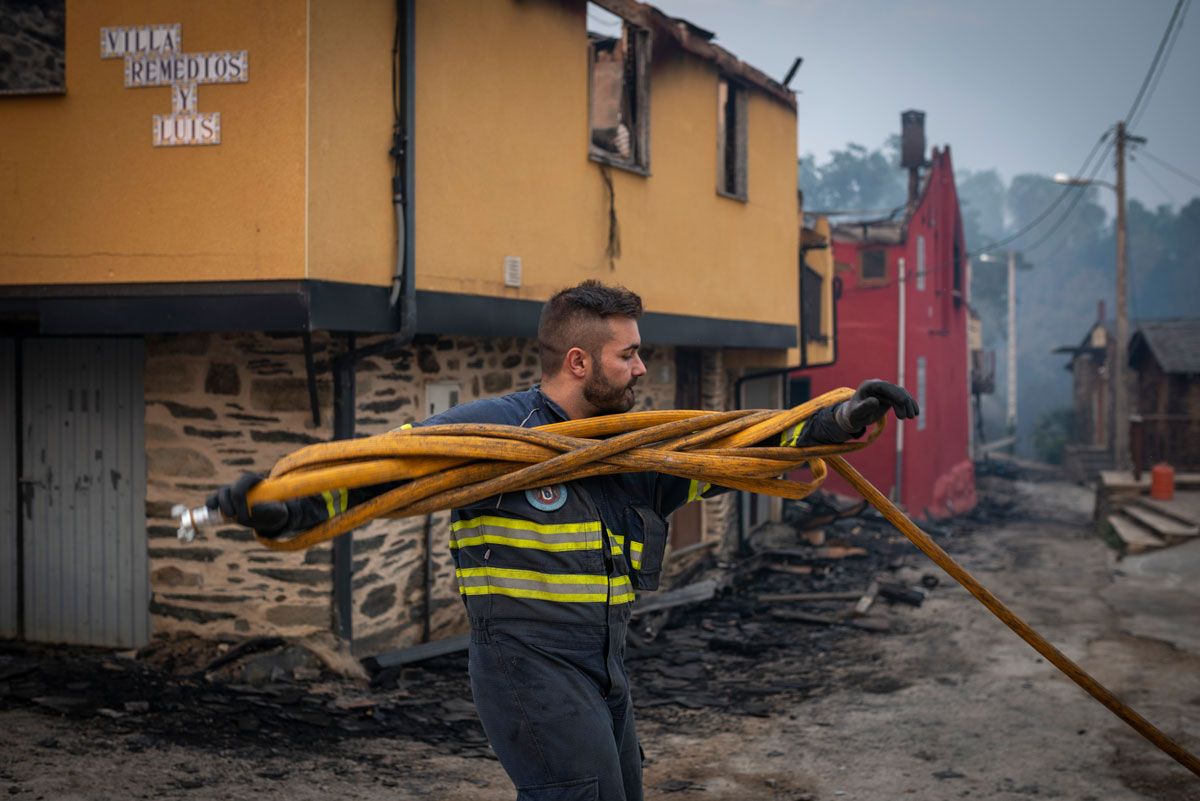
(902, 316)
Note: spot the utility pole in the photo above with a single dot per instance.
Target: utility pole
(1119, 370)
(1121, 410)
(1012, 349)
(1120, 401)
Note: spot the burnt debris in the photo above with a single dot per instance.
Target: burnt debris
(743, 638)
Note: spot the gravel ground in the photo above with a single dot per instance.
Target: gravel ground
(948, 704)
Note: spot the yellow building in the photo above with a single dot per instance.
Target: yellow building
(213, 208)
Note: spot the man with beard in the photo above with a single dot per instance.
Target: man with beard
(548, 575)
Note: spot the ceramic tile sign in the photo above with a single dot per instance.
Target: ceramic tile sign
(154, 56)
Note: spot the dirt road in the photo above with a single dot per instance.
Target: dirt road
(948, 705)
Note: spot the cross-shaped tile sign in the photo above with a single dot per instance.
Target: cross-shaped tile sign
(153, 57)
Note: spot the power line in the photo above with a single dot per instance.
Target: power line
(1074, 202)
(1151, 74)
(1049, 209)
(1165, 165)
(1162, 45)
(1166, 57)
(1154, 180)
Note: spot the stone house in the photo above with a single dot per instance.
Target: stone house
(366, 239)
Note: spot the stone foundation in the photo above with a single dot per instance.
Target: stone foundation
(389, 555)
(218, 405)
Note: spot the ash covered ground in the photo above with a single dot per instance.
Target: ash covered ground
(739, 697)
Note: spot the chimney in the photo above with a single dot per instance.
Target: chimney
(912, 149)
(1100, 312)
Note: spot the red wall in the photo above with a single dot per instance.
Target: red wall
(937, 478)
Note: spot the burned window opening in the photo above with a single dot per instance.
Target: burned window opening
(731, 139)
(873, 266)
(618, 59)
(33, 50)
(811, 284)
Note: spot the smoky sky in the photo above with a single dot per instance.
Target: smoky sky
(1022, 86)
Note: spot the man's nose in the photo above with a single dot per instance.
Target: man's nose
(639, 367)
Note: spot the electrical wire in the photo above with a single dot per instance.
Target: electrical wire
(1154, 70)
(999, 243)
(1075, 200)
(1154, 181)
(1166, 58)
(1165, 165)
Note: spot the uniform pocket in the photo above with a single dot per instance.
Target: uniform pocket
(578, 790)
(647, 539)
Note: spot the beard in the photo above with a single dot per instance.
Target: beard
(606, 396)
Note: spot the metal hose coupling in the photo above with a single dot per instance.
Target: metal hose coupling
(192, 521)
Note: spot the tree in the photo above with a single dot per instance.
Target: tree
(854, 179)
(1068, 261)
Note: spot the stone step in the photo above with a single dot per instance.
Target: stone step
(1184, 507)
(1118, 480)
(1136, 538)
(1165, 525)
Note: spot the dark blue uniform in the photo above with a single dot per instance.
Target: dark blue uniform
(548, 577)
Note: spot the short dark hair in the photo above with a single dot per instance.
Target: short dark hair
(572, 318)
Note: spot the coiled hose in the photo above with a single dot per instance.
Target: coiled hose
(454, 465)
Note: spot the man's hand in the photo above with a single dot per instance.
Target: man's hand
(871, 403)
(268, 519)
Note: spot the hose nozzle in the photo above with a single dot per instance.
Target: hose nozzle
(193, 520)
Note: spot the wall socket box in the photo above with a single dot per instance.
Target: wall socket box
(512, 271)
(440, 396)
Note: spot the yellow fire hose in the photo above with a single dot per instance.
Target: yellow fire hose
(455, 465)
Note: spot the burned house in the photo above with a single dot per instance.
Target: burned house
(349, 223)
(903, 316)
(1090, 365)
(1165, 354)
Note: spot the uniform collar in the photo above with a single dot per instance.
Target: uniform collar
(550, 405)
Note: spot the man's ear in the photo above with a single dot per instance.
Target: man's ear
(576, 362)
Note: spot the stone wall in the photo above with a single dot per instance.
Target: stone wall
(218, 406)
(389, 555)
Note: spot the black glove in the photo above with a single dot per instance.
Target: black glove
(268, 519)
(871, 403)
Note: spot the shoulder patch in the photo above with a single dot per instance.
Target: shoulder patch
(547, 499)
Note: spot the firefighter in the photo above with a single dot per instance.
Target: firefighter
(548, 575)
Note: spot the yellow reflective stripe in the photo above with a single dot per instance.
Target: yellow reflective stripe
(792, 435)
(545, 586)
(564, 587)
(525, 525)
(531, 575)
(620, 590)
(540, 595)
(518, 542)
(336, 505)
(635, 549)
(525, 534)
(696, 489)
